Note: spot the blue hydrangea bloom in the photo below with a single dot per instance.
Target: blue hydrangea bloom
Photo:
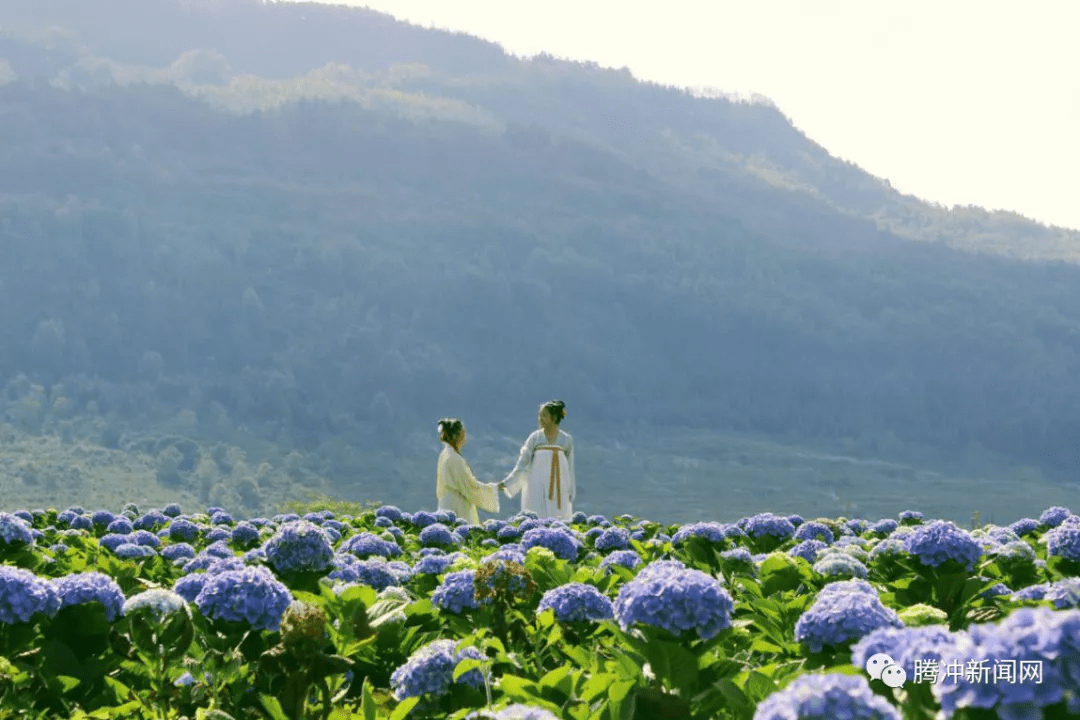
(599, 520)
(221, 518)
(1064, 541)
(434, 564)
(251, 595)
(24, 515)
(102, 518)
(1032, 592)
(910, 515)
(64, 518)
(739, 554)
(839, 564)
(627, 558)
(1049, 638)
(579, 518)
(437, 534)
(159, 602)
(178, 550)
(120, 526)
(430, 670)
(86, 587)
(925, 644)
(884, 527)
(576, 602)
(1023, 526)
(82, 522)
(181, 528)
(857, 526)
(283, 518)
(22, 594)
(826, 697)
(380, 574)
(843, 612)
(769, 524)
(389, 512)
(144, 537)
(814, 530)
(1065, 593)
(1054, 516)
(941, 540)
(172, 510)
(219, 534)
(446, 517)
(366, 544)
(112, 541)
(423, 518)
(245, 534)
(668, 595)
(612, 538)
(796, 520)
(516, 711)
(508, 532)
(808, 549)
(560, 542)
(130, 551)
(152, 520)
(457, 592)
(712, 531)
(58, 548)
(77, 509)
(14, 531)
(489, 542)
(300, 546)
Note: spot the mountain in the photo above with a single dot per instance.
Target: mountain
(331, 229)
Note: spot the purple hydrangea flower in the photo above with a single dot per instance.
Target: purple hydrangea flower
(1023, 526)
(516, 711)
(808, 549)
(383, 522)
(843, 612)
(826, 697)
(576, 602)
(768, 524)
(15, 531)
(172, 510)
(366, 544)
(380, 574)
(130, 551)
(612, 538)
(1039, 636)
(152, 520)
(856, 527)
(446, 517)
(839, 564)
(434, 564)
(814, 530)
(599, 520)
(437, 534)
(283, 518)
(1054, 516)
(119, 526)
(82, 522)
(64, 518)
(668, 595)
(940, 541)
(1065, 593)
(579, 518)
(389, 512)
(221, 518)
(251, 595)
(560, 542)
(179, 550)
(219, 534)
(796, 520)
(113, 541)
(422, 519)
(1064, 541)
(905, 646)
(884, 527)
(908, 515)
(457, 592)
(183, 529)
(86, 587)
(22, 594)
(508, 532)
(430, 671)
(626, 558)
(739, 554)
(300, 546)
(712, 531)
(245, 534)
(102, 518)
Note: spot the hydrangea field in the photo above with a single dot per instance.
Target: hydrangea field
(386, 614)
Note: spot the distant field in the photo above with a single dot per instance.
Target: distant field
(671, 476)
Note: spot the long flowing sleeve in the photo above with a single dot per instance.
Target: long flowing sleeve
(461, 481)
(572, 491)
(520, 474)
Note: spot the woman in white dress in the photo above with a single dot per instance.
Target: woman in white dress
(455, 485)
(544, 474)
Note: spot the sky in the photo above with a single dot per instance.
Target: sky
(954, 101)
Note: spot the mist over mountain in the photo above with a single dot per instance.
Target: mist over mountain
(331, 228)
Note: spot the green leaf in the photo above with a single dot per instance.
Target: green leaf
(596, 686)
(466, 665)
(273, 707)
(67, 682)
(559, 679)
(367, 701)
(759, 686)
(404, 707)
(519, 687)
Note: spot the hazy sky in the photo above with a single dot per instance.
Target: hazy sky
(954, 101)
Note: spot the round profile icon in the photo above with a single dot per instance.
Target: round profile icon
(894, 676)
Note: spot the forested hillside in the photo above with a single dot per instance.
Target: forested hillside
(340, 226)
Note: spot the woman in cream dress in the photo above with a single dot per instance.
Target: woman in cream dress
(544, 474)
(455, 485)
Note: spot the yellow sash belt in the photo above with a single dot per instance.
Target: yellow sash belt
(555, 484)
